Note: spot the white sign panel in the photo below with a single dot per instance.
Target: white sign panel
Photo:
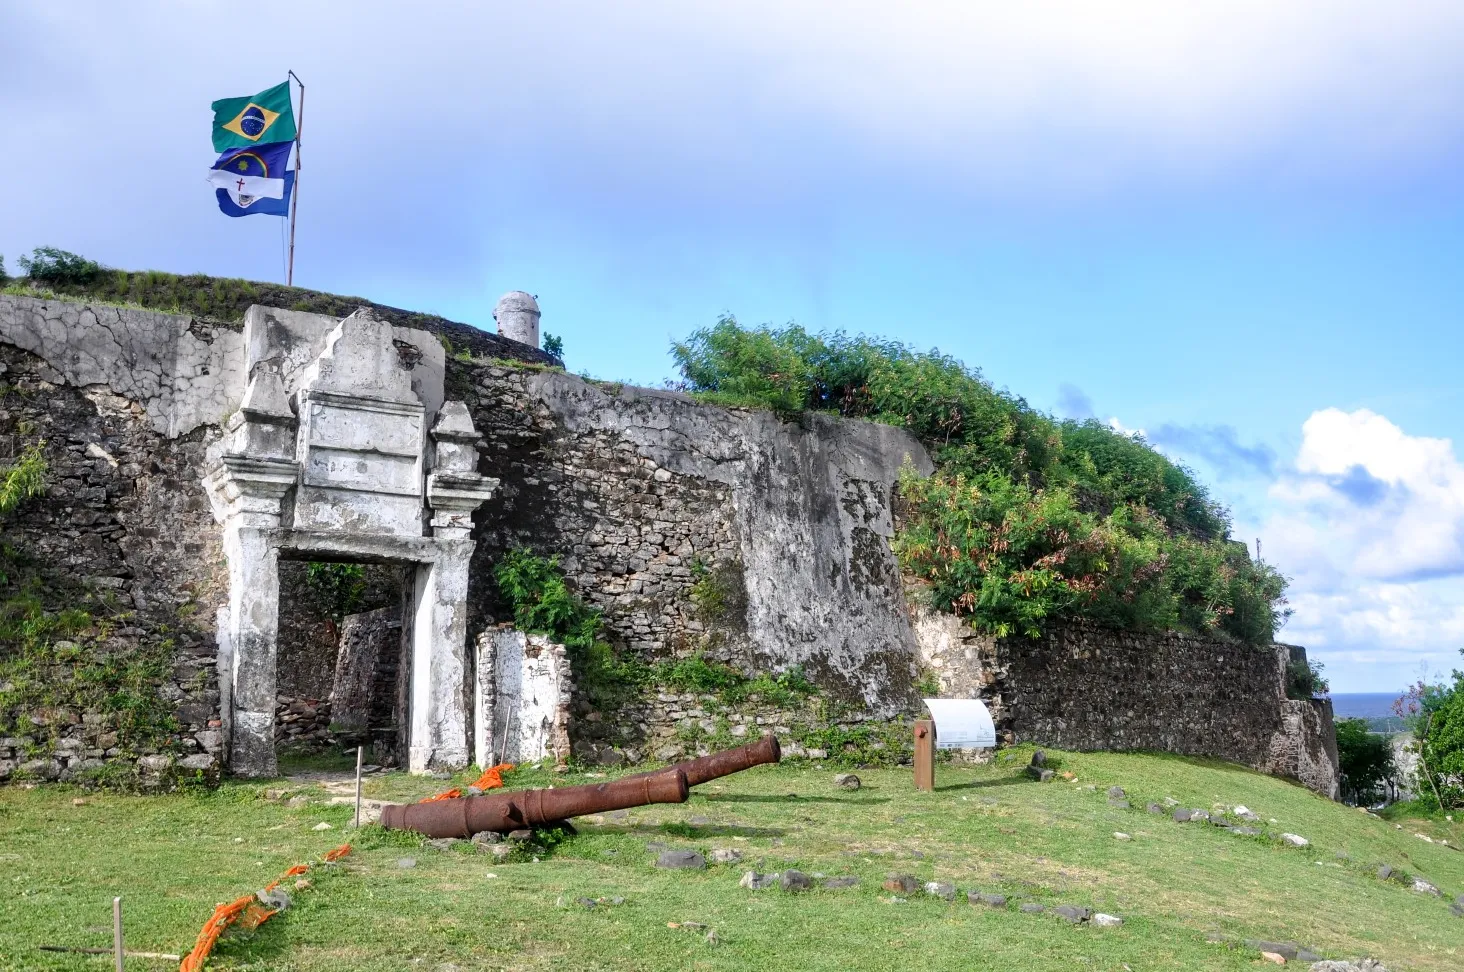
(961, 723)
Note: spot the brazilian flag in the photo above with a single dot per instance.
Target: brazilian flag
(265, 117)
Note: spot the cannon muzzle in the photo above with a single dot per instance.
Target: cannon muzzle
(726, 762)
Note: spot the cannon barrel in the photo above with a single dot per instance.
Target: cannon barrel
(726, 762)
(502, 812)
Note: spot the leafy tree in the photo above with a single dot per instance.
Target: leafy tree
(4, 277)
(340, 588)
(49, 265)
(554, 344)
(1366, 761)
(1436, 713)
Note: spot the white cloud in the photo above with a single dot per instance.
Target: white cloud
(1368, 500)
(1369, 524)
(1046, 96)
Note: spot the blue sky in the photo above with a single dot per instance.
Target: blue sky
(1235, 226)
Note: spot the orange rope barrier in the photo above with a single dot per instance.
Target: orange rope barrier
(246, 912)
(491, 779)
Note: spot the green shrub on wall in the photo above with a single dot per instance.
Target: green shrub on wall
(1027, 519)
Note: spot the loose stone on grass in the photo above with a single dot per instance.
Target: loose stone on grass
(1119, 835)
(406, 863)
(1154, 808)
(989, 900)
(1107, 921)
(1031, 908)
(847, 781)
(1073, 913)
(1295, 840)
(795, 881)
(754, 881)
(726, 855)
(902, 883)
(839, 883)
(441, 843)
(681, 860)
(941, 889)
(1181, 816)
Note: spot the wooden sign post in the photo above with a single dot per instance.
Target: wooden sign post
(925, 754)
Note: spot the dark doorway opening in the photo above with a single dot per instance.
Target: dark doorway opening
(341, 665)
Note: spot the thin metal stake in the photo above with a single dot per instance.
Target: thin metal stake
(507, 724)
(359, 751)
(117, 949)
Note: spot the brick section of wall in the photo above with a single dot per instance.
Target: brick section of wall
(124, 517)
(1081, 686)
(628, 530)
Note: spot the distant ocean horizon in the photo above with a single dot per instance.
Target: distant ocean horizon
(1364, 705)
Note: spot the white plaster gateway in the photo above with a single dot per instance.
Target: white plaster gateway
(343, 449)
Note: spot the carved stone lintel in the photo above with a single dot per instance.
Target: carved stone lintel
(453, 497)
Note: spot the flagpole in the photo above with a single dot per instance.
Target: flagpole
(295, 195)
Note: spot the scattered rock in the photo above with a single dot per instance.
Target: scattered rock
(848, 781)
(1073, 913)
(500, 852)
(1039, 758)
(485, 837)
(1246, 814)
(79, 802)
(1154, 808)
(757, 882)
(1458, 906)
(902, 883)
(839, 883)
(322, 826)
(274, 794)
(1219, 821)
(1116, 793)
(681, 860)
(1119, 835)
(441, 843)
(1199, 816)
(304, 884)
(1181, 816)
(795, 881)
(941, 889)
(1107, 921)
(1039, 774)
(276, 898)
(1246, 831)
(726, 855)
(1361, 965)
(1031, 908)
(1295, 840)
(983, 898)
(407, 863)
(1274, 957)
(1423, 887)
(522, 836)
(370, 768)
(1287, 950)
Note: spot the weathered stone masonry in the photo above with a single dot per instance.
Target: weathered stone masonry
(642, 493)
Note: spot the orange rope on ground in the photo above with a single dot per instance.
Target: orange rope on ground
(491, 779)
(246, 912)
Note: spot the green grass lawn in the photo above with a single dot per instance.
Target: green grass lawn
(987, 828)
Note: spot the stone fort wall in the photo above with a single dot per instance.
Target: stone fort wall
(641, 493)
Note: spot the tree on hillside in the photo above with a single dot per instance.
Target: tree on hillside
(1366, 761)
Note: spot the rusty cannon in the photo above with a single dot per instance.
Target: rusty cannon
(527, 809)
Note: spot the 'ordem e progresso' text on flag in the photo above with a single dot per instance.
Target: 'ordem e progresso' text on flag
(263, 118)
(254, 180)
